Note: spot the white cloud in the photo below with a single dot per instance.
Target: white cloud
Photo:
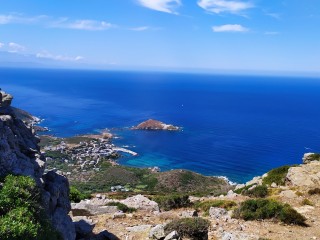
(15, 18)
(1, 44)
(15, 47)
(230, 28)
(90, 25)
(167, 6)
(220, 6)
(140, 29)
(48, 55)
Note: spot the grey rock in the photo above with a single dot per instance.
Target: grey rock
(139, 228)
(141, 202)
(157, 232)
(172, 236)
(118, 215)
(217, 213)
(88, 209)
(188, 214)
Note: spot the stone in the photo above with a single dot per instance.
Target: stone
(217, 213)
(274, 185)
(305, 175)
(141, 202)
(118, 215)
(188, 214)
(172, 236)
(255, 180)
(228, 236)
(88, 209)
(157, 232)
(288, 194)
(139, 228)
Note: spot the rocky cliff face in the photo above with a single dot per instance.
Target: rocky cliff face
(20, 155)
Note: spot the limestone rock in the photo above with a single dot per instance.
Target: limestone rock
(5, 99)
(141, 202)
(307, 175)
(217, 213)
(157, 232)
(172, 236)
(188, 214)
(139, 228)
(87, 208)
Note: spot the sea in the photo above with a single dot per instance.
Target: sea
(233, 126)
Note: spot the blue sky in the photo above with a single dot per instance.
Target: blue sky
(217, 35)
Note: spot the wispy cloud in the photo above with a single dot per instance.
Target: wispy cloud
(1, 44)
(21, 19)
(46, 21)
(167, 6)
(89, 25)
(140, 29)
(15, 47)
(274, 15)
(48, 55)
(220, 6)
(230, 28)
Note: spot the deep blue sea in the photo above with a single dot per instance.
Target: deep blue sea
(235, 126)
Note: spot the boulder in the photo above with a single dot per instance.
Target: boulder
(141, 202)
(88, 209)
(307, 175)
(188, 214)
(172, 236)
(157, 232)
(217, 213)
(139, 228)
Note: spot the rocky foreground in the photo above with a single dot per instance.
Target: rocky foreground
(170, 205)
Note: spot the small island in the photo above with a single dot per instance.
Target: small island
(152, 124)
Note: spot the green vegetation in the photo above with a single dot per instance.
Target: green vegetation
(259, 191)
(21, 213)
(314, 157)
(194, 228)
(169, 202)
(56, 154)
(277, 175)
(314, 191)
(206, 205)
(258, 209)
(122, 207)
(306, 201)
(76, 196)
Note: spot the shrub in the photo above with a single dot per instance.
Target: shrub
(206, 205)
(258, 209)
(172, 201)
(21, 213)
(240, 190)
(122, 207)
(259, 191)
(314, 157)
(314, 191)
(277, 175)
(194, 228)
(76, 196)
(306, 201)
(289, 215)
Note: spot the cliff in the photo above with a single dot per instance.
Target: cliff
(20, 155)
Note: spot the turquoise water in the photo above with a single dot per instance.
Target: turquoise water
(235, 126)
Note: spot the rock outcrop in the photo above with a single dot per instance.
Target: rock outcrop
(20, 155)
(155, 125)
(307, 175)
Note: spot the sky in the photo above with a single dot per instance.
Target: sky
(217, 35)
